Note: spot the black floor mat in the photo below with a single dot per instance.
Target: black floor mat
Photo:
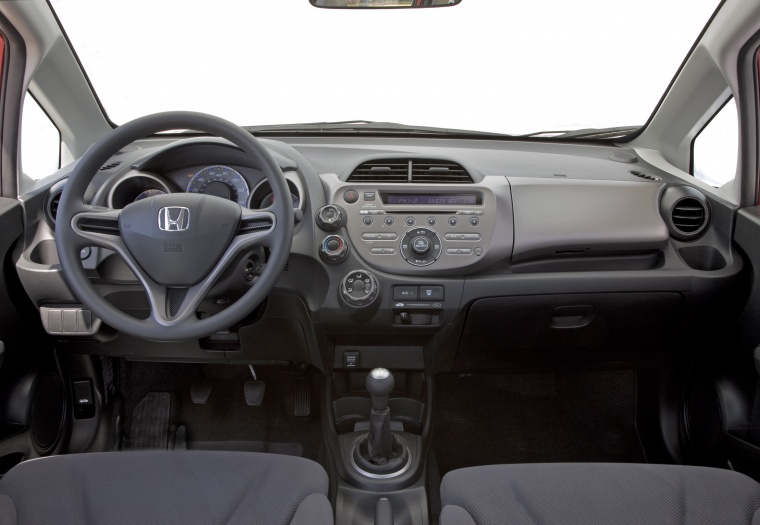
(226, 422)
(532, 418)
(149, 428)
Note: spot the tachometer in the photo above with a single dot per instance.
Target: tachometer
(221, 181)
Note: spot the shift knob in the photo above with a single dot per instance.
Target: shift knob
(379, 385)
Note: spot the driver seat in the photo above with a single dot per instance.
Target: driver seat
(183, 487)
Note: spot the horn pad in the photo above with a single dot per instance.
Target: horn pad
(178, 239)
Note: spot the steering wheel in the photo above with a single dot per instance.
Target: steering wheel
(177, 244)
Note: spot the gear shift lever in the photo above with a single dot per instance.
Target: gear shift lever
(381, 452)
(379, 440)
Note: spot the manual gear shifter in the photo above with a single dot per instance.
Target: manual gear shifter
(379, 440)
(380, 452)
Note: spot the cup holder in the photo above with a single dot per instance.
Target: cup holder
(704, 258)
(45, 253)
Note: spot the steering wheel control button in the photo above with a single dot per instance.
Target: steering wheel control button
(405, 293)
(388, 221)
(420, 247)
(453, 221)
(367, 221)
(431, 293)
(85, 252)
(383, 251)
(351, 196)
(359, 288)
(369, 196)
(334, 249)
(474, 221)
(410, 221)
(431, 221)
(330, 217)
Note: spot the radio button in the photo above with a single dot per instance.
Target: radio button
(367, 221)
(459, 251)
(410, 221)
(383, 251)
(431, 221)
(389, 221)
(453, 221)
(474, 221)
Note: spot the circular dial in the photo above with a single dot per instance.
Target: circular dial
(221, 181)
(421, 247)
(330, 217)
(149, 193)
(359, 288)
(267, 201)
(334, 248)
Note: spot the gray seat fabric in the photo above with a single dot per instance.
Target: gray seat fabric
(166, 488)
(609, 494)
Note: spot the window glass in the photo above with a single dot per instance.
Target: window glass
(716, 148)
(40, 141)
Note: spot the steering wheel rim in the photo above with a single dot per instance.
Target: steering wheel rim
(71, 237)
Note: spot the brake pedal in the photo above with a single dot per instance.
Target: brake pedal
(254, 390)
(200, 391)
(302, 398)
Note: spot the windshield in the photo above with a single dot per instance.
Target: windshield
(515, 67)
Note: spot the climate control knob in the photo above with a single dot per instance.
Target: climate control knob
(359, 288)
(334, 248)
(330, 217)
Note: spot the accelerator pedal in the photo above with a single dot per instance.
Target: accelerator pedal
(302, 398)
(254, 390)
(200, 391)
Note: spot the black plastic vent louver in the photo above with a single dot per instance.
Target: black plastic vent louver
(644, 176)
(439, 171)
(52, 207)
(394, 170)
(110, 166)
(411, 170)
(689, 215)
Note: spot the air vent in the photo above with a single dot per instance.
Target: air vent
(689, 215)
(439, 171)
(644, 176)
(395, 170)
(411, 170)
(53, 203)
(110, 166)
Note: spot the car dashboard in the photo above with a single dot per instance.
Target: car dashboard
(449, 253)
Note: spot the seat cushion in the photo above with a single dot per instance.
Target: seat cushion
(191, 487)
(587, 493)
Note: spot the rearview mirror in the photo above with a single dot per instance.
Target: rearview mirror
(350, 4)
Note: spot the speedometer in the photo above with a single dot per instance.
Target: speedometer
(221, 181)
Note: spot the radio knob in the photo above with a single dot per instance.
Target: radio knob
(420, 245)
(330, 217)
(334, 248)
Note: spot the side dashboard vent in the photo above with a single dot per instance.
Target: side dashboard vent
(686, 212)
(394, 170)
(411, 170)
(689, 215)
(52, 201)
(439, 171)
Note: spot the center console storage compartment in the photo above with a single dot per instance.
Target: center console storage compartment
(602, 326)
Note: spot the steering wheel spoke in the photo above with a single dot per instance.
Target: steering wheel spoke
(255, 229)
(99, 227)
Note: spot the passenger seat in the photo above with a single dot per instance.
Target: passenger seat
(598, 493)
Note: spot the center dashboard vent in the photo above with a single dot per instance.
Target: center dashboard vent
(421, 171)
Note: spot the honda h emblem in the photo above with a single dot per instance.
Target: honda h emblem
(173, 219)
